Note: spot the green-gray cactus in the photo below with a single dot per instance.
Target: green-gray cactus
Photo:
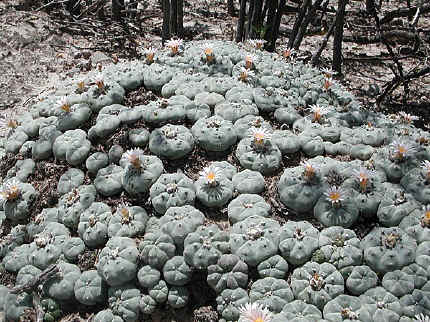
(17, 198)
(246, 205)
(72, 146)
(361, 279)
(248, 181)
(382, 305)
(398, 283)
(109, 180)
(177, 272)
(127, 221)
(61, 287)
(271, 292)
(90, 288)
(93, 224)
(317, 283)
(230, 272)
(229, 302)
(171, 141)
(117, 262)
(70, 180)
(124, 301)
(148, 277)
(346, 308)
(214, 133)
(156, 248)
(297, 241)
(172, 190)
(96, 161)
(388, 249)
(178, 297)
(255, 239)
(205, 246)
(213, 188)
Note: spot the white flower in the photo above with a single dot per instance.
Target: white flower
(174, 45)
(363, 175)
(134, 157)
(422, 318)
(211, 175)
(208, 51)
(287, 52)
(327, 72)
(335, 195)
(63, 104)
(99, 81)
(402, 150)
(260, 135)
(318, 112)
(254, 312)
(328, 82)
(407, 118)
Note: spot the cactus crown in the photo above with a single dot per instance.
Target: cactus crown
(244, 74)
(173, 45)
(425, 220)
(169, 132)
(347, 313)
(363, 176)
(135, 158)
(401, 150)
(211, 175)
(213, 123)
(100, 83)
(64, 104)
(257, 43)
(125, 213)
(209, 52)
(328, 83)
(249, 61)
(309, 171)
(316, 282)
(260, 136)
(390, 240)
(318, 112)
(253, 233)
(149, 54)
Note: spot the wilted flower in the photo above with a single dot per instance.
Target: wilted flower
(10, 191)
(99, 82)
(249, 61)
(209, 52)
(7, 124)
(425, 165)
(174, 45)
(402, 150)
(363, 175)
(407, 118)
(134, 157)
(244, 74)
(81, 85)
(335, 195)
(124, 212)
(328, 82)
(254, 312)
(257, 43)
(211, 175)
(260, 135)
(64, 104)
(425, 220)
(318, 112)
(149, 54)
(309, 170)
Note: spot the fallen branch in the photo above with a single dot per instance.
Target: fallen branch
(41, 278)
(403, 12)
(399, 36)
(323, 44)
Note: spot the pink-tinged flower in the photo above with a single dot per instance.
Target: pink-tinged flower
(363, 175)
(309, 170)
(211, 175)
(249, 61)
(174, 45)
(7, 124)
(318, 112)
(64, 104)
(260, 135)
(254, 312)
(134, 157)
(81, 85)
(407, 118)
(257, 43)
(287, 52)
(149, 54)
(402, 150)
(245, 74)
(335, 195)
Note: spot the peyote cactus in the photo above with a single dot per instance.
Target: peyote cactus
(388, 249)
(141, 171)
(156, 248)
(96, 161)
(90, 288)
(70, 180)
(127, 221)
(93, 224)
(178, 297)
(398, 283)
(317, 283)
(159, 292)
(148, 277)
(346, 308)
(275, 266)
(109, 180)
(16, 198)
(229, 302)
(382, 305)
(72, 146)
(248, 181)
(213, 188)
(171, 141)
(117, 262)
(417, 224)
(205, 246)
(16, 305)
(172, 190)
(228, 273)
(124, 302)
(300, 311)
(257, 152)
(107, 316)
(177, 272)
(244, 126)
(272, 293)
(214, 133)
(255, 239)
(361, 279)
(163, 111)
(62, 287)
(297, 241)
(246, 205)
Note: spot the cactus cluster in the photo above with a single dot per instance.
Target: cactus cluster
(229, 184)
